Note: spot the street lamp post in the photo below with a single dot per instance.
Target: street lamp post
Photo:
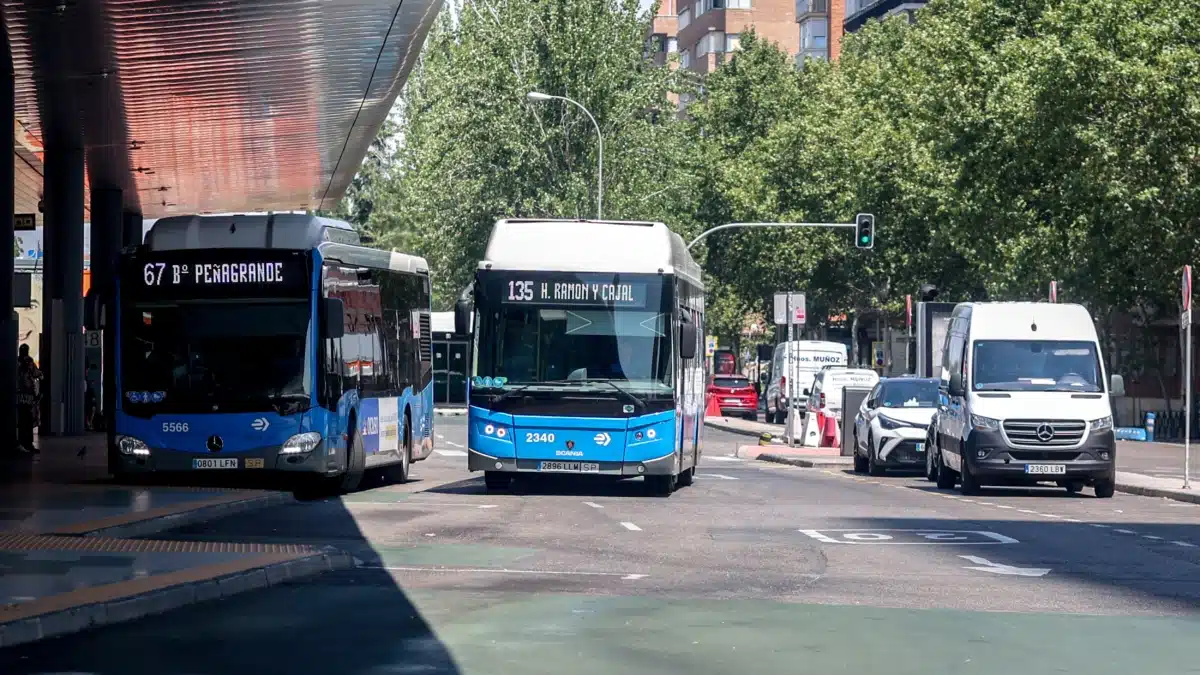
(539, 96)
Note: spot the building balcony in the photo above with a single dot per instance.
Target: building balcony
(806, 8)
(858, 12)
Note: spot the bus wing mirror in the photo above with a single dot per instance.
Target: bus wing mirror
(765, 352)
(335, 318)
(462, 317)
(1117, 386)
(687, 340)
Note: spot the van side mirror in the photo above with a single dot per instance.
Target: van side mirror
(335, 318)
(687, 340)
(766, 352)
(462, 316)
(1116, 386)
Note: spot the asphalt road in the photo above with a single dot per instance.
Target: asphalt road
(756, 568)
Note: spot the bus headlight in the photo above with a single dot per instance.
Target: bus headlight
(301, 443)
(128, 445)
(495, 431)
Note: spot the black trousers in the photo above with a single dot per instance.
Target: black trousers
(25, 421)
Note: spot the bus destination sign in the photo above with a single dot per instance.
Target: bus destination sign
(575, 291)
(218, 276)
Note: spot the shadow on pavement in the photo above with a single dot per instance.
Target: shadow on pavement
(559, 485)
(337, 623)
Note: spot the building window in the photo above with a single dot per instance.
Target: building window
(685, 17)
(733, 42)
(736, 4)
(814, 34)
(713, 42)
(685, 58)
(672, 45)
(813, 7)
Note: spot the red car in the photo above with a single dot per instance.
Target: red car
(735, 396)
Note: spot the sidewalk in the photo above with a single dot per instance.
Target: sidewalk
(68, 560)
(1148, 469)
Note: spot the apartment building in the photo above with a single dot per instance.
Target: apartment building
(859, 12)
(704, 31)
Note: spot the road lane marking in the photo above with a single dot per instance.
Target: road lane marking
(1100, 525)
(716, 475)
(1002, 506)
(421, 503)
(451, 453)
(1125, 531)
(985, 565)
(1072, 520)
(594, 505)
(723, 458)
(631, 527)
(1184, 544)
(890, 536)
(503, 570)
(1027, 511)
(1150, 536)
(439, 435)
(457, 445)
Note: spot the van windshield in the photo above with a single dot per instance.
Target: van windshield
(1036, 365)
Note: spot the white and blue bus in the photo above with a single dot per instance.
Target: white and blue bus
(271, 343)
(586, 339)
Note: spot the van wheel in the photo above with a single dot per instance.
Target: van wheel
(1105, 488)
(945, 475)
(968, 484)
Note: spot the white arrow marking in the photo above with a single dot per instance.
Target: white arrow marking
(716, 475)
(586, 323)
(602, 439)
(631, 527)
(260, 424)
(998, 568)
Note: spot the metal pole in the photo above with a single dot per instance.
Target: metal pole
(538, 96)
(787, 354)
(1187, 407)
(728, 226)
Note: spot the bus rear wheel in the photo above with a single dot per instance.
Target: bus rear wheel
(398, 473)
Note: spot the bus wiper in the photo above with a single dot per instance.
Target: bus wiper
(513, 392)
(628, 396)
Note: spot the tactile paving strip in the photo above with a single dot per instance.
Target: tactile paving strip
(34, 542)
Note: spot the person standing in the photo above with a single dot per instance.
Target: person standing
(29, 395)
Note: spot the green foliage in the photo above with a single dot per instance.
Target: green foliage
(1001, 144)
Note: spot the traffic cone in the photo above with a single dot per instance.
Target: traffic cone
(829, 438)
(713, 409)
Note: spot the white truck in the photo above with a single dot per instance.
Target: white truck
(794, 366)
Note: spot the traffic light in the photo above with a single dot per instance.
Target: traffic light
(864, 230)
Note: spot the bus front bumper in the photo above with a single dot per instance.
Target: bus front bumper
(659, 466)
(163, 460)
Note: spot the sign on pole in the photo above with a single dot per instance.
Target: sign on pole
(710, 345)
(796, 303)
(908, 312)
(1053, 291)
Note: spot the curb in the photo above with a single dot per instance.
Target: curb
(740, 432)
(1165, 493)
(808, 462)
(80, 618)
(150, 526)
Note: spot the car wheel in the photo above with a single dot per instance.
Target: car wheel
(930, 468)
(873, 468)
(860, 462)
(945, 475)
(1105, 488)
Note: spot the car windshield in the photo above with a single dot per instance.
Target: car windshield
(731, 382)
(1036, 365)
(910, 394)
(215, 356)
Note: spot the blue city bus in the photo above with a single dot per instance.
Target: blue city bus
(271, 343)
(586, 335)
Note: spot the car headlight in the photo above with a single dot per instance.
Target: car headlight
(301, 443)
(981, 423)
(1102, 423)
(128, 445)
(889, 423)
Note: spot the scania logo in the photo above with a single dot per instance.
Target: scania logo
(1045, 433)
(215, 444)
(568, 453)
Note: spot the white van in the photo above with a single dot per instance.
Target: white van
(806, 358)
(1024, 400)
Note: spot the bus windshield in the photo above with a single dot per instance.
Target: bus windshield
(572, 337)
(215, 356)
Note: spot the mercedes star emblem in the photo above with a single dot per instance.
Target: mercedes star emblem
(1045, 433)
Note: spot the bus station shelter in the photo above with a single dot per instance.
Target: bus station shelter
(129, 110)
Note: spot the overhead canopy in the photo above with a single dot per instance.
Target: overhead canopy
(213, 105)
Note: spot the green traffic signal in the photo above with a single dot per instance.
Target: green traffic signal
(864, 227)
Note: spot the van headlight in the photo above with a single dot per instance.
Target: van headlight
(1102, 423)
(301, 443)
(981, 423)
(128, 445)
